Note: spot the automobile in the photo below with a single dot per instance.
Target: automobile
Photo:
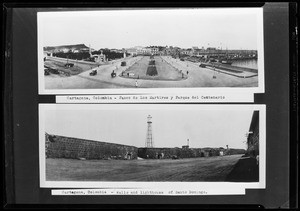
(69, 65)
(46, 72)
(123, 63)
(94, 72)
(113, 74)
(53, 71)
(202, 65)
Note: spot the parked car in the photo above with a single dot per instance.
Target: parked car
(46, 72)
(69, 65)
(94, 72)
(202, 65)
(113, 74)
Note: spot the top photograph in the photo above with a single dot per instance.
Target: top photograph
(117, 51)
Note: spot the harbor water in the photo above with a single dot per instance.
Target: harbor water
(250, 63)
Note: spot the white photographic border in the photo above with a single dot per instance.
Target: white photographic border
(227, 187)
(142, 91)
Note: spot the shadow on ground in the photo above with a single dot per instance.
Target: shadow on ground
(245, 170)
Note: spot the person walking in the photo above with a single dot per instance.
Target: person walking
(136, 84)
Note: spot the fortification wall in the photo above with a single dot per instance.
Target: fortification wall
(65, 147)
(167, 153)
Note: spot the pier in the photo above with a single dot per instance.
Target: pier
(241, 72)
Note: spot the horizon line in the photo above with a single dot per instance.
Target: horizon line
(174, 46)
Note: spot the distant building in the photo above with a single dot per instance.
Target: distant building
(116, 50)
(138, 50)
(194, 48)
(99, 58)
(154, 51)
(205, 153)
(187, 52)
(143, 51)
(211, 49)
(131, 51)
(66, 50)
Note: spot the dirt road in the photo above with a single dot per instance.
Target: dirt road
(191, 169)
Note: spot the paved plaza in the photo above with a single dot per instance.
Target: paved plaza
(171, 73)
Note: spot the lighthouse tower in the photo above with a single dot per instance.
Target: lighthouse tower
(149, 138)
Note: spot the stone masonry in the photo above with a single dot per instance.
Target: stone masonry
(65, 147)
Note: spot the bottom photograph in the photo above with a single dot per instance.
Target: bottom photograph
(150, 143)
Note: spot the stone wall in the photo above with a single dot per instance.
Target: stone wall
(167, 153)
(65, 147)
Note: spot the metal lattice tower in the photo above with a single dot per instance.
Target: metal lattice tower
(149, 139)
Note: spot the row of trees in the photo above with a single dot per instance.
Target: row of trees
(160, 48)
(110, 55)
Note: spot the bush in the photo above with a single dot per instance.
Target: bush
(152, 62)
(151, 70)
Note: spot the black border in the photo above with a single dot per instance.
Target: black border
(16, 105)
(294, 122)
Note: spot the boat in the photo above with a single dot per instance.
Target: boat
(226, 62)
(225, 59)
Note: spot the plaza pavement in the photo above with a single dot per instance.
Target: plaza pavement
(197, 77)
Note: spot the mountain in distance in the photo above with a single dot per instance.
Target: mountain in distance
(69, 47)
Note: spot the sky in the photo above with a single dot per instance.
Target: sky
(221, 28)
(171, 128)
